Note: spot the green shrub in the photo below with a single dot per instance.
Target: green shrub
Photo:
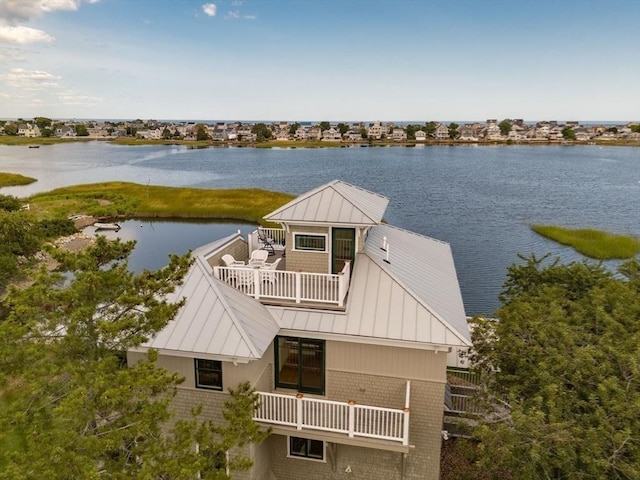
(10, 203)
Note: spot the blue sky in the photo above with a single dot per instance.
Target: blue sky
(321, 60)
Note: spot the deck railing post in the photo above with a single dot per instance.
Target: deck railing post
(406, 411)
(352, 417)
(256, 283)
(216, 272)
(298, 277)
(299, 411)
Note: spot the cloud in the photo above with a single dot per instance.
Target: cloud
(22, 10)
(22, 35)
(29, 79)
(209, 9)
(232, 15)
(69, 98)
(250, 17)
(236, 3)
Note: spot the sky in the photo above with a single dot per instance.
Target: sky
(310, 60)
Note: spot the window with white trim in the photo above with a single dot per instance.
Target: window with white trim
(306, 448)
(310, 242)
(208, 374)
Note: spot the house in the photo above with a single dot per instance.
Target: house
(346, 344)
(399, 135)
(332, 134)
(420, 136)
(28, 130)
(468, 133)
(375, 131)
(442, 132)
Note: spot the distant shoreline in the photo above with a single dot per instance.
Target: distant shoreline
(27, 141)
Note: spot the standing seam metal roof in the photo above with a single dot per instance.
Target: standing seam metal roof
(336, 202)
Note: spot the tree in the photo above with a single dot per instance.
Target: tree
(343, 128)
(363, 133)
(430, 128)
(294, 128)
(324, 126)
(72, 406)
(42, 122)
(453, 130)
(261, 131)
(568, 133)
(81, 130)
(411, 131)
(201, 132)
(166, 134)
(565, 352)
(505, 127)
(635, 128)
(11, 129)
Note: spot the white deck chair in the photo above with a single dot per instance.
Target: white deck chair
(268, 272)
(258, 257)
(229, 261)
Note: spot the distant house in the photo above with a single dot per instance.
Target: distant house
(421, 136)
(346, 341)
(375, 131)
(468, 134)
(28, 130)
(399, 135)
(331, 135)
(442, 132)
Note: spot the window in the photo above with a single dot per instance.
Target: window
(307, 242)
(306, 448)
(300, 364)
(208, 374)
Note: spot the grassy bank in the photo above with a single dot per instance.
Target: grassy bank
(592, 243)
(14, 180)
(122, 199)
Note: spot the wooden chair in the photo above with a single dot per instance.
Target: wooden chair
(268, 271)
(258, 257)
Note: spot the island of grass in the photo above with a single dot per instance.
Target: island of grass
(14, 180)
(131, 200)
(592, 243)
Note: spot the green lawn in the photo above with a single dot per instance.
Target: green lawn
(592, 243)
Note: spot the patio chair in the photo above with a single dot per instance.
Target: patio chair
(258, 257)
(268, 271)
(266, 243)
(229, 261)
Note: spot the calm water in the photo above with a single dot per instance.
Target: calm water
(479, 199)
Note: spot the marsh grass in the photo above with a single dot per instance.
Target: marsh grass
(14, 179)
(592, 243)
(123, 199)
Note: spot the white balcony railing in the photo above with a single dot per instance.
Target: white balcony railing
(286, 285)
(347, 418)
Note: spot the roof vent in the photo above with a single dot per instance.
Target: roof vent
(384, 244)
(387, 255)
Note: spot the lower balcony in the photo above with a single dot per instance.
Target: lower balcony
(344, 419)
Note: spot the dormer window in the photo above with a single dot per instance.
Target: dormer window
(310, 242)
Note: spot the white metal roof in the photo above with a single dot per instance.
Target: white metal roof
(413, 298)
(336, 203)
(216, 320)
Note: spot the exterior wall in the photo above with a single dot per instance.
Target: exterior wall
(238, 248)
(313, 262)
(377, 375)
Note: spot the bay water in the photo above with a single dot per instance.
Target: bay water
(480, 199)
